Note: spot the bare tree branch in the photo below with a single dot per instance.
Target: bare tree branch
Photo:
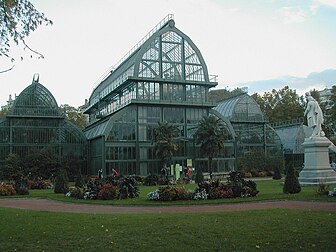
(7, 70)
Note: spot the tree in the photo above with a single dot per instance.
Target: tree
(211, 135)
(62, 182)
(13, 168)
(329, 110)
(291, 184)
(74, 115)
(18, 18)
(41, 163)
(281, 105)
(164, 141)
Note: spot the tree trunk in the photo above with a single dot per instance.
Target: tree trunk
(210, 167)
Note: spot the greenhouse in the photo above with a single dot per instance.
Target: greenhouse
(35, 122)
(164, 78)
(254, 136)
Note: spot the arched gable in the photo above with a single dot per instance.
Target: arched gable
(35, 100)
(170, 54)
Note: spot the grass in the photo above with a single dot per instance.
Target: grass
(269, 190)
(256, 230)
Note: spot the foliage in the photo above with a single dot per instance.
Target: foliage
(211, 135)
(74, 115)
(281, 105)
(322, 189)
(199, 178)
(332, 193)
(235, 187)
(256, 162)
(223, 94)
(39, 183)
(164, 141)
(13, 168)
(277, 173)
(127, 187)
(107, 188)
(41, 163)
(7, 190)
(170, 193)
(61, 183)
(329, 111)
(291, 184)
(107, 192)
(18, 19)
(76, 192)
(151, 180)
(79, 180)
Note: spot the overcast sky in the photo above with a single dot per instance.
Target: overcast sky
(240, 40)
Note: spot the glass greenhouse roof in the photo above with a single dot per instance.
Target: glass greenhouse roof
(242, 108)
(165, 53)
(35, 101)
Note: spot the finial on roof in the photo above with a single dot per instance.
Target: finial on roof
(36, 78)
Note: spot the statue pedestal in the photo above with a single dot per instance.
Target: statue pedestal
(316, 169)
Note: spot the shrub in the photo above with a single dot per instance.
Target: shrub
(79, 182)
(200, 194)
(151, 180)
(7, 190)
(61, 183)
(39, 183)
(128, 188)
(247, 175)
(154, 195)
(170, 193)
(199, 178)
(332, 193)
(277, 173)
(221, 192)
(107, 192)
(291, 184)
(76, 192)
(263, 174)
(322, 189)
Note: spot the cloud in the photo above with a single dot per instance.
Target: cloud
(330, 3)
(295, 14)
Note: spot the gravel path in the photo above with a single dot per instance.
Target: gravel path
(58, 206)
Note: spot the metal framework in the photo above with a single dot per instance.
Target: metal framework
(163, 78)
(250, 126)
(35, 122)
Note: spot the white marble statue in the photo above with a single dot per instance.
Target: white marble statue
(314, 116)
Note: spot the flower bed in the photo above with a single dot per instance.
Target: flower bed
(236, 186)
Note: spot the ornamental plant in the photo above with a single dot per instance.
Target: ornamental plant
(291, 184)
(61, 183)
(7, 190)
(107, 192)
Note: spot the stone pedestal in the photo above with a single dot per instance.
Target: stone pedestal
(316, 168)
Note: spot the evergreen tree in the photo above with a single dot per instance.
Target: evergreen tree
(79, 180)
(199, 178)
(61, 183)
(292, 184)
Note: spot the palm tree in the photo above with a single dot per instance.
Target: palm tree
(211, 135)
(164, 142)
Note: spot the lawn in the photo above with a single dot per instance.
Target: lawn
(256, 230)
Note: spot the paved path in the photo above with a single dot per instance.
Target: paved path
(58, 206)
